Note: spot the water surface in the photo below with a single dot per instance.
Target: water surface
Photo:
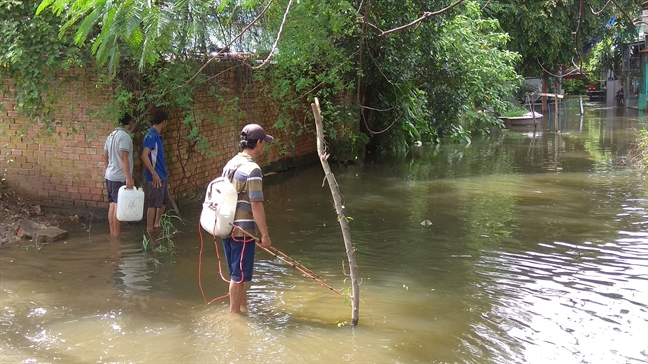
(523, 247)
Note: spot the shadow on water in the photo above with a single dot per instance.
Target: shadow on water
(523, 247)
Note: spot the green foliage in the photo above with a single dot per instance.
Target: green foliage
(417, 84)
(549, 33)
(145, 242)
(147, 32)
(151, 50)
(515, 111)
(313, 61)
(164, 244)
(607, 55)
(454, 65)
(643, 146)
(576, 87)
(638, 154)
(32, 53)
(540, 31)
(522, 91)
(449, 75)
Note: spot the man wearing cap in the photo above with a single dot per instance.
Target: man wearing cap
(247, 178)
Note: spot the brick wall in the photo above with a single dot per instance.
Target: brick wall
(65, 166)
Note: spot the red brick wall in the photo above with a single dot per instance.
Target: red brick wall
(65, 167)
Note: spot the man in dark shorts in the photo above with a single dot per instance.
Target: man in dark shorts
(156, 171)
(250, 216)
(118, 156)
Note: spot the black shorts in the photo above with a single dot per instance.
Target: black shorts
(159, 196)
(113, 189)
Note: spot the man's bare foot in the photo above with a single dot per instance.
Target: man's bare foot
(153, 231)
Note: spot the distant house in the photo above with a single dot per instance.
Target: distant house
(635, 65)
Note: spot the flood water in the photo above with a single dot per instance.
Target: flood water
(521, 248)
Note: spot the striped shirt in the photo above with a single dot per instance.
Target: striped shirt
(247, 178)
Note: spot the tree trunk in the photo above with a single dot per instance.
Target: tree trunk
(344, 223)
(545, 89)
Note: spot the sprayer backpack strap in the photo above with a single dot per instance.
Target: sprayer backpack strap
(230, 176)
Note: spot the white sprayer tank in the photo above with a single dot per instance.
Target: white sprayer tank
(130, 204)
(219, 207)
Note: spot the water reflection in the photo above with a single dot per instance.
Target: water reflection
(134, 271)
(536, 250)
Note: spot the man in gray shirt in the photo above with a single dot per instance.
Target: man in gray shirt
(118, 155)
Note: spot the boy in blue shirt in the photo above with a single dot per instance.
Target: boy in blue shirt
(156, 171)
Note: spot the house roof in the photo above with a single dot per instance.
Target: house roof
(573, 73)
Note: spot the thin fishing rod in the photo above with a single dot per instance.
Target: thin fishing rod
(295, 263)
(288, 260)
(278, 254)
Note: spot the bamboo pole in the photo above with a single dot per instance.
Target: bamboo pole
(556, 108)
(288, 260)
(532, 108)
(344, 223)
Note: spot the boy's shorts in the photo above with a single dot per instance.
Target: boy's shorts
(158, 196)
(113, 189)
(240, 258)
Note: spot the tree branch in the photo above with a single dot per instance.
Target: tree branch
(579, 27)
(339, 209)
(600, 11)
(229, 44)
(274, 46)
(624, 13)
(426, 15)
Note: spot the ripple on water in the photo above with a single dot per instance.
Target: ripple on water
(582, 301)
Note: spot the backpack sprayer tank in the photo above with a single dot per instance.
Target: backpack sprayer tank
(219, 207)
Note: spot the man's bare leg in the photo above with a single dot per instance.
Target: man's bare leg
(150, 218)
(158, 217)
(117, 225)
(112, 208)
(244, 299)
(237, 296)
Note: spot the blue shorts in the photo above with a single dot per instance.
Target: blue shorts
(240, 258)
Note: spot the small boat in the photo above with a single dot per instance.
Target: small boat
(526, 119)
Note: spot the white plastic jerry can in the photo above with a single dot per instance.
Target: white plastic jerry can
(130, 204)
(219, 207)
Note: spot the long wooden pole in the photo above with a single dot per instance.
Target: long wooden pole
(344, 223)
(557, 120)
(532, 108)
(288, 260)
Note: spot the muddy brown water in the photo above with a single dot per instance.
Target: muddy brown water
(526, 247)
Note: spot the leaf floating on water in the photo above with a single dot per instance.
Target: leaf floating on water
(426, 223)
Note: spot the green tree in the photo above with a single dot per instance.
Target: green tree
(435, 77)
(32, 52)
(550, 34)
(147, 31)
(417, 82)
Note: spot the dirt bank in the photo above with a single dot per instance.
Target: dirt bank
(14, 207)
